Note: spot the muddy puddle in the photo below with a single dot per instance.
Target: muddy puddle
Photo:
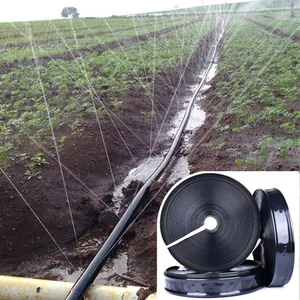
(81, 254)
(110, 273)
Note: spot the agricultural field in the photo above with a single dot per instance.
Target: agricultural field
(65, 43)
(255, 99)
(84, 101)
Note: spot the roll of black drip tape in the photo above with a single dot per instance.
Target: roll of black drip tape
(228, 203)
(243, 279)
(276, 251)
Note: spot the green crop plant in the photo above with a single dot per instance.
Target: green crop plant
(289, 127)
(239, 161)
(219, 147)
(284, 146)
(283, 152)
(253, 161)
(38, 159)
(32, 172)
(117, 104)
(101, 112)
(264, 145)
(149, 115)
(34, 166)
(61, 143)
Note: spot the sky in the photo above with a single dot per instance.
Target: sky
(27, 10)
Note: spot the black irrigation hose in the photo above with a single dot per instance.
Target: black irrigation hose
(91, 272)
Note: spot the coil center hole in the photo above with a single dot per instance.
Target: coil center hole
(210, 223)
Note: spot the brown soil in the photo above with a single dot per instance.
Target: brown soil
(275, 31)
(85, 156)
(207, 154)
(8, 66)
(24, 239)
(139, 242)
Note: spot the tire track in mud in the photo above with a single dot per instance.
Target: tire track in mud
(275, 31)
(6, 67)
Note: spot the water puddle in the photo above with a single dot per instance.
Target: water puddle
(82, 254)
(85, 245)
(180, 170)
(108, 275)
(141, 173)
(212, 72)
(196, 119)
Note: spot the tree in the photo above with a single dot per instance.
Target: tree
(70, 11)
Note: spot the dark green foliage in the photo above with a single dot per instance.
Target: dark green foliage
(70, 12)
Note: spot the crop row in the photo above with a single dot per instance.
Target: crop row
(70, 86)
(37, 28)
(289, 26)
(42, 39)
(279, 14)
(259, 77)
(62, 45)
(80, 32)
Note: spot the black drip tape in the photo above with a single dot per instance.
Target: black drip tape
(244, 279)
(226, 200)
(277, 250)
(214, 261)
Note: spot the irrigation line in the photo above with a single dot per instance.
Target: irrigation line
(91, 272)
